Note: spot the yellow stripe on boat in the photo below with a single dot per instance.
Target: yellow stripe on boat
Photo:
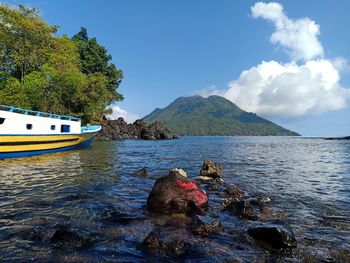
(37, 143)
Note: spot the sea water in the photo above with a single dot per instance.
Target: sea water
(93, 193)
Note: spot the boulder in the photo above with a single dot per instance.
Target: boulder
(175, 193)
(153, 245)
(234, 195)
(210, 169)
(276, 233)
(205, 228)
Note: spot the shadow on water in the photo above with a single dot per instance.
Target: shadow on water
(86, 205)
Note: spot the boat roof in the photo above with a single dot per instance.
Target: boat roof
(37, 113)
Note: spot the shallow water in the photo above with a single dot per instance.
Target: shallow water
(93, 192)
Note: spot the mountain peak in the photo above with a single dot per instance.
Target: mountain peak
(214, 115)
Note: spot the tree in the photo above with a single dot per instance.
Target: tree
(25, 41)
(94, 58)
(44, 72)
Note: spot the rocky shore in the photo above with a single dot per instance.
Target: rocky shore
(176, 194)
(119, 130)
(181, 218)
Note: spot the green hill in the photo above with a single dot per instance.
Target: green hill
(213, 116)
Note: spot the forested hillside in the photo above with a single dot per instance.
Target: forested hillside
(213, 116)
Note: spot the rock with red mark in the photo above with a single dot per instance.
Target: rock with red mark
(210, 169)
(176, 193)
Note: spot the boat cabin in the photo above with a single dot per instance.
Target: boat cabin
(17, 121)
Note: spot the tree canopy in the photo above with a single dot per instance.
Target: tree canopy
(42, 71)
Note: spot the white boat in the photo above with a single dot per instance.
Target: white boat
(28, 133)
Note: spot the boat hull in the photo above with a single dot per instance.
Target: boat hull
(14, 146)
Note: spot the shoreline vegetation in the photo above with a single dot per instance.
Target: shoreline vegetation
(43, 71)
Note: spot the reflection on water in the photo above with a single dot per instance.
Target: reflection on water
(93, 192)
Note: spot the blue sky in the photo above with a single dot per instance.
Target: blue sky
(168, 49)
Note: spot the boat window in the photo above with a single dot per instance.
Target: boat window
(2, 120)
(65, 128)
(29, 126)
(53, 127)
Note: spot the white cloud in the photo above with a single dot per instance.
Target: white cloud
(341, 64)
(288, 90)
(298, 37)
(206, 92)
(119, 112)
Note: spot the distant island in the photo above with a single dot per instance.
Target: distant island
(212, 116)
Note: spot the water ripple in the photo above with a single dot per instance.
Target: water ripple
(92, 191)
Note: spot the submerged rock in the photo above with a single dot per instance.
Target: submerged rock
(234, 192)
(260, 201)
(210, 169)
(66, 238)
(205, 228)
(275, 233)
(142, 172)
(175, 193)
(153, 245)
(240, 208)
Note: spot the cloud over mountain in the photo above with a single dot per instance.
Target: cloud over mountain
(290, 90)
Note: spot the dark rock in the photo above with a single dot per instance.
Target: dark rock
(176, 193)
(213, 187)
(142, 172)
(260, 201)
(244, 210)
(241, 208)
(234, 192)
(119, 129)
(114, 216)
(210, 169)
(67, 238)
(275, 233)
(206, 228)
(154, 246)
(338, 138)
(227, 203)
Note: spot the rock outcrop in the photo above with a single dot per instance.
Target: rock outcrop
(210, 169)
(175, 193)
(119, 130)
(276, 233)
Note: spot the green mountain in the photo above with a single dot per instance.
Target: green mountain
(212, 116)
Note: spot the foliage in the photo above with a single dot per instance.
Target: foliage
(212, 116)
(95, 59)
(42, 71)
